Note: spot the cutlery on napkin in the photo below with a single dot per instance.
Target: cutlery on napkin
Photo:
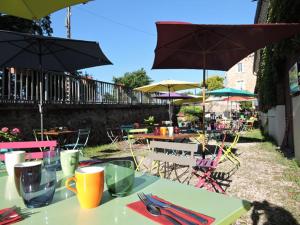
(140, 208)
(9, 216)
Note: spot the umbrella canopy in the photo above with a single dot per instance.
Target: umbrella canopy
(194, 46)
(192, 100)
(230, 92)
(48, 53)
(239, 99)
(173, 95)
(218, 47)
(35, 9)
(169, 86)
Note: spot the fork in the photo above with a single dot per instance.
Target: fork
(167, 210)
(155, 211)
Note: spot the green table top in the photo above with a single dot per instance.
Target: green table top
(65, 207)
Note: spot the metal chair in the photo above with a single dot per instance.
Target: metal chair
(184, 158)
(133, 140)
(37, 136)
(114, 135)
(208, 166)
(81, 141)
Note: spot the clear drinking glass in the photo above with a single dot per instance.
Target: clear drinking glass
(119, 177)
(51, 157)
(38, 193)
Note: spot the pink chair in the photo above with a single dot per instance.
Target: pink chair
(26, 145)
(208, 166)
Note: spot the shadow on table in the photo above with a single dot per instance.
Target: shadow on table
(271, 213)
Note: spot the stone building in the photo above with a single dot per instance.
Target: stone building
(241, 75)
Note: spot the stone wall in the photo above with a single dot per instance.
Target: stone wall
(97, 117)
(273, 123)
(296, 125)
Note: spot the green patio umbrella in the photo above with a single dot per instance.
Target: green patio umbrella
(230, 92)
(35, 9)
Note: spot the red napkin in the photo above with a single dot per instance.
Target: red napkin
(13, 217)
(139, 207)
(89, 162)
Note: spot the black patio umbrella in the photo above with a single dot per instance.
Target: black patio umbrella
(48, 54)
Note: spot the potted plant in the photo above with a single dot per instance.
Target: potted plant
(149, 123)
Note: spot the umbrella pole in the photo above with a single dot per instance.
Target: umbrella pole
(170, 113)
(41, 106)
(41, 92)
(203, 116)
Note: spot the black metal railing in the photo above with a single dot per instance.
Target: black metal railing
(26, 86)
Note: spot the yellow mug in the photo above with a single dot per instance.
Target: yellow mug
(89, 186)
(163, 131)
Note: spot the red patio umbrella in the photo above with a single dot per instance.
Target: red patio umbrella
(183, 45)
(239, 99)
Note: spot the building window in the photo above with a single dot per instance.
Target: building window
(240, 84)
(240, 67)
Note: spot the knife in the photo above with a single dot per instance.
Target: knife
(187, 212)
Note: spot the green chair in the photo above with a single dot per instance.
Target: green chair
(81, 141)
(132, 139)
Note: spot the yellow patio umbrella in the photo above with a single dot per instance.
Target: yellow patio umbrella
(196, 99)
(35, 9)
(168, 86)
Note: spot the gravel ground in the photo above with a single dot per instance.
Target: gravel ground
(265, 178)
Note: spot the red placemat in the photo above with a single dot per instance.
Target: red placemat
(13, 217)
(89, 162)
(140, 208)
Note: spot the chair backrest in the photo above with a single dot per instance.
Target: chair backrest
(220, 151)
(235, 141)
(131, 132)
(37, 135)
(83, 137)
(27, 145)
(212, 163)
(159, 148)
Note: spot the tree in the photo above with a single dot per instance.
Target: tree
(133, 79)
(245, 105)
(214, 82)
(12, 23)
(192, 113)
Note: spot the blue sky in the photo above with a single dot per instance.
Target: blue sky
(126, 32)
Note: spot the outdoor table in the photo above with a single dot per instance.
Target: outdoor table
(61, 136)
(65, 207)
(174, 137)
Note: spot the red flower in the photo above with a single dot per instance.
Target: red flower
(15, 131)
(4, 129)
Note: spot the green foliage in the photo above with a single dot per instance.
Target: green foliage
(273, 56)
(150, 120)
(214, 82)
(246, 105)
(133, 79)
(12, 23)
(192, 113)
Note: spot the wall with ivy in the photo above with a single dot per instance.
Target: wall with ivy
(272, 72)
